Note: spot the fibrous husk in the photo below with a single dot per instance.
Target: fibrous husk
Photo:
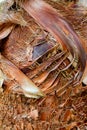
(64, 107)
(39, 56)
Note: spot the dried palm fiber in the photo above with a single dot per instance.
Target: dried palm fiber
(55, 23)
(69, 112)
(37, 53)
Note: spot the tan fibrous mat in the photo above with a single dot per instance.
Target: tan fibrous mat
(65, 105)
